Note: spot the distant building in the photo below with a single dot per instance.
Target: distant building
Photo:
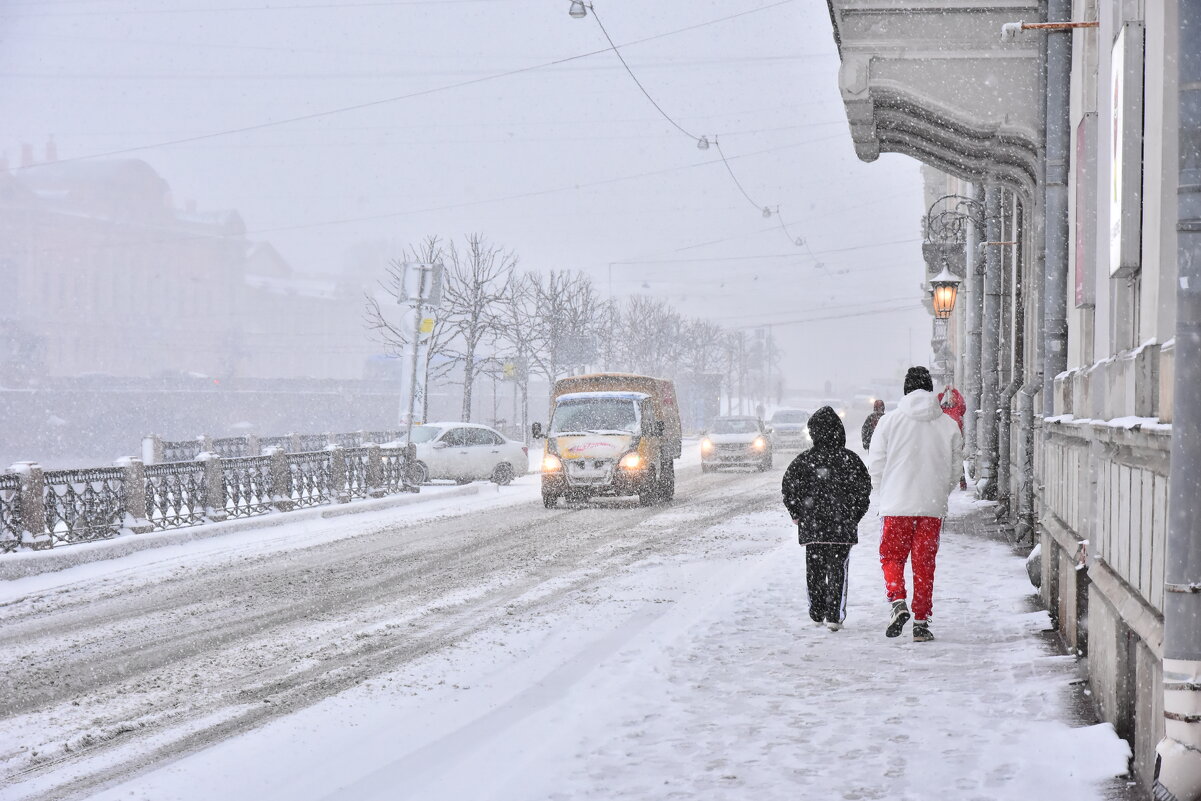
(101, 273)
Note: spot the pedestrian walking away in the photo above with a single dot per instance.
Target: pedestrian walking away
(954, 406)
(870, 423)
(916, 460)
(826, 491)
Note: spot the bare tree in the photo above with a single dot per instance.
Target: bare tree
(474, 287)
(702, 345)
(385, 320)
(517, 328)
(569, 314)
(652, 336)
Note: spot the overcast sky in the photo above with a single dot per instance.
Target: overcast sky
(472, 127)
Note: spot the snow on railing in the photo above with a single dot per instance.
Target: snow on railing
(310, 479)
(84, 505)
(11, 521)
(175, 494)
(44, 509)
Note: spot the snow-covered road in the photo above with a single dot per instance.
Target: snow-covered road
(487, 648)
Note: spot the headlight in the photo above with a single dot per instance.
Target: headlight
(759, 444)
(631, 461)
(706, 446)
(842, 413)
(551, 463)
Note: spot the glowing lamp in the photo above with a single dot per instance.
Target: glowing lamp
(945, 287)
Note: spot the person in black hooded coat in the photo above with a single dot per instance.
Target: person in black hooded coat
(827, 490)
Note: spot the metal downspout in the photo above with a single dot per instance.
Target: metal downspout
(1017, 346)
(990, 341)
(975, 313)
(1178, 755)
(1058, 149)
(1052, 278)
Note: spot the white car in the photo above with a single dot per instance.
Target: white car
(465, 452)
(790, 429)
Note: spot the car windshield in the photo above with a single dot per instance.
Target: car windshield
(595, 416)
(735, 427)
(425, 433)
(790, 417)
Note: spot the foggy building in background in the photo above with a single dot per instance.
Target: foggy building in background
(103, 274)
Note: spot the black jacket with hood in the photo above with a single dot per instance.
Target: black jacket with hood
(827, 487)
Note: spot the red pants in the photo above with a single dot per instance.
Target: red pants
(901, 537)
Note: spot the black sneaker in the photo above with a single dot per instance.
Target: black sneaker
(900, 616)
(921, 631)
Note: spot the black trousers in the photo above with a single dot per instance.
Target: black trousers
(826, 575)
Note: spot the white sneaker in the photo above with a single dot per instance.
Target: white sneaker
(833, 625)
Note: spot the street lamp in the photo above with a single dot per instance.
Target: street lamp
(945, 287)
(578, 9)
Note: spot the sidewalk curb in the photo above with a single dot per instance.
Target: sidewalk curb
(32, 563)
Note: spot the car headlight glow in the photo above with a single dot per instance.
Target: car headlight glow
(706, 445)
(551, 463)
(842, 413)
(759, 444)
(631, 461)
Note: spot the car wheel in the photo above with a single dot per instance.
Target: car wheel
(706, 468)
(550, 500)
(418, 473)
(503, 474)
(648, 493)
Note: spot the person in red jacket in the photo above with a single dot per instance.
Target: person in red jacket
(955, 407)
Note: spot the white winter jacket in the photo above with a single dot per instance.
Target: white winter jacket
(916, 458)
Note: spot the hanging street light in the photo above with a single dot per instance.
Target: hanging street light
(945, 288)
(578, 9)
(702, 143)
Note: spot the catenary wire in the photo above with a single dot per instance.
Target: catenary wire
(398, 98)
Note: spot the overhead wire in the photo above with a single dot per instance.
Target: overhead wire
(397, 98)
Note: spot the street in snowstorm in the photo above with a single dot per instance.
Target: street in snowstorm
(556, 400)
(485, 647)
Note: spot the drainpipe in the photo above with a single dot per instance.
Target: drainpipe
(1004, 404)
(1059, 145)
(990, 341)
(975, 314)
(1178, 755)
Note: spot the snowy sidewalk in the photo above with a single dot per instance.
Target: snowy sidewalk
(698, 675)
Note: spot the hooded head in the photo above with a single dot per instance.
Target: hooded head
(878, 406)
(918, 378)
(825, 429)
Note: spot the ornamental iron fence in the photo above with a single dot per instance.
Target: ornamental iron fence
(357, 471)
(180, 451)
(11, 521)
(175, 494)
(84, 505)
(246, 486)
(45, 509)
(309, 478)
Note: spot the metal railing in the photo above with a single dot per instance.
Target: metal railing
(246, 484)
(175, 494)
(310, 482)
(84, 505)
(11, 520)
(45, 509)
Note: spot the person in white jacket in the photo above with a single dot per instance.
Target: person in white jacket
(915, 461)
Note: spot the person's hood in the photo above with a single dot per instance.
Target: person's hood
(878, 406)
(920, 404)
(826, 430)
